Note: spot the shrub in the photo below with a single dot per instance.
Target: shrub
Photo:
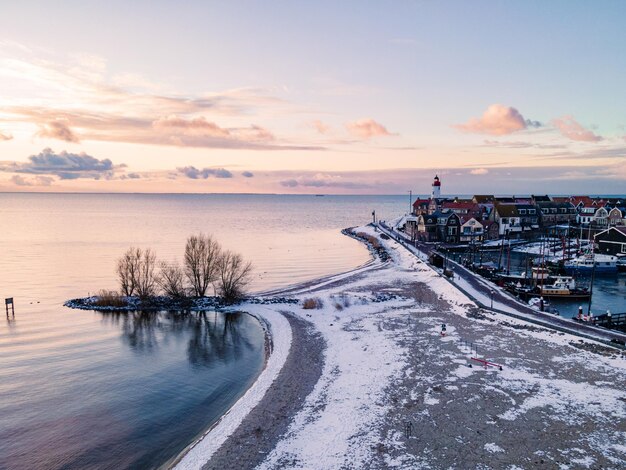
(135, 271)
(371, 239)
(109, 298)
(338, 306)
(171, 280)
(202, 257)
(312, 303)
(146, 279)
(127, 269)
(233, 276)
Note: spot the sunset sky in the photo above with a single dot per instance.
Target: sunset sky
(313, 97)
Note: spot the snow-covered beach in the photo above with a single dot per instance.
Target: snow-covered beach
(369, 381)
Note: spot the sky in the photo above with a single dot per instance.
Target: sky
(313, 97)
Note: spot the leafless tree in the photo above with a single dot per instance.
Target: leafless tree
(146, 279)
(202, 255)
(234, 276)
(171, 280)
(127, 270)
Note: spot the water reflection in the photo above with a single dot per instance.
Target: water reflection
(216, 337)
(211, 336)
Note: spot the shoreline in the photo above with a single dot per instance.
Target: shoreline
(388, 387)
(364, 392)
(186, 461)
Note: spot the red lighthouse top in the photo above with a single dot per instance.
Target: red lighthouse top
(436, 182)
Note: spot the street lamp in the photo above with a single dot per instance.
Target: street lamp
(492, 292)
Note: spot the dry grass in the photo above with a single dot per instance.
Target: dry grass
(372, 240)
(312, 303)
(109, 298)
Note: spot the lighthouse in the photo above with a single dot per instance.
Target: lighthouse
(436, 192)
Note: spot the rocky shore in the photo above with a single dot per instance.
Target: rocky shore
(161, 303)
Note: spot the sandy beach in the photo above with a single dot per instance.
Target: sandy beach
(369, 381)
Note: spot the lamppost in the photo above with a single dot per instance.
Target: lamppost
(492, 292)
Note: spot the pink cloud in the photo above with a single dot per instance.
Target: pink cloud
(479, 171)
(320, 127)
(571, 129)
(4, 136)
(58, 129)
(497, 120)
(198, 125)
(367, 128)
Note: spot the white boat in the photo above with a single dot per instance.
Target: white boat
(585, 263)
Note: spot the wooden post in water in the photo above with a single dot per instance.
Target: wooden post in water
(9, 301)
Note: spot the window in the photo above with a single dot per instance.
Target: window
(522, 211)
(563, 210)
(623, 247)
(531, 211)
(553, 210)
(451, 230)
(505, 220)
(545, 211)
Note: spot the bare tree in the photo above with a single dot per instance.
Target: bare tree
(171, 280)
(234, 276)
(146, 280)
(127, 269)
(202, 255)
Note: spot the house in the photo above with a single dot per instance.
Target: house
(516, 218)
(426, 228)
(462, 208)
(491, 230)
(554, 213)
(484, 199)
(535, 199)
(600, 217)
(485, 202)
(448, 226)
(420, 206)
(617, 216)
(586, 213)
(612, 241)
(472, 231)
(438, 227)
(581, 201)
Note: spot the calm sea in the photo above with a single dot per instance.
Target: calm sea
(88, 390)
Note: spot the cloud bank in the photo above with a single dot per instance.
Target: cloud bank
(64, 165)
(194, 173)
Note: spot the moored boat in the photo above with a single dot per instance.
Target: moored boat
(586, 262)
(564, 287)
(621, 263)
